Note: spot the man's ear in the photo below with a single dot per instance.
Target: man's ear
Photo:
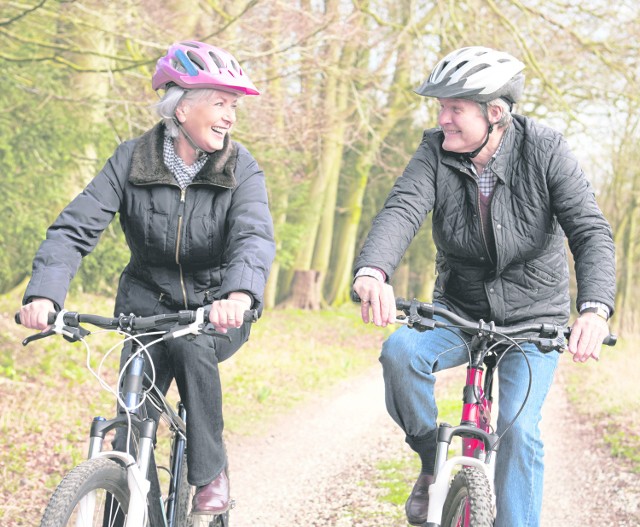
(495, 113)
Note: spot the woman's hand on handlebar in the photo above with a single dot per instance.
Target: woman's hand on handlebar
(229, 312)
(587, 334)
(377, 300)
(34, 315)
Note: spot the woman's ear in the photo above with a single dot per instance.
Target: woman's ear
(181, 112)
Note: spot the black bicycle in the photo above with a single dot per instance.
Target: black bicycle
(125, 488)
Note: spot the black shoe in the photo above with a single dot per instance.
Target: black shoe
(417, 505)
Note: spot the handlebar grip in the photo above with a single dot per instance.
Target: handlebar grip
(611, 340)
(51, 318)
(251, 315)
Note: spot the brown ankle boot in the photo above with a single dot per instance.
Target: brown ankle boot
(214, 497)
(417, 504)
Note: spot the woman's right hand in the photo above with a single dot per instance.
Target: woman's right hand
(34, 315)
(377, 299)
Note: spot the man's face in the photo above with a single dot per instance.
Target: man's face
(463, 123)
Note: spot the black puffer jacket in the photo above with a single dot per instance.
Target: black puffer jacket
(187, 247)
(541, 195)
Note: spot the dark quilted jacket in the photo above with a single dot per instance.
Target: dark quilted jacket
(541, 195)
(187, 247)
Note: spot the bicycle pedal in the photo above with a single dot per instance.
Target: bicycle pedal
(204, 520)
(211, 520)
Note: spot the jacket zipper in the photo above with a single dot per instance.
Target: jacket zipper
(183, 193)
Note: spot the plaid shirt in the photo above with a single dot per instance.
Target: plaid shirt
(487, 180)
(183, 173)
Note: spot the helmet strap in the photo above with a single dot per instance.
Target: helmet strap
(199, 151)
(473, 154)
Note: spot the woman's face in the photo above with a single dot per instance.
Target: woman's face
(209, 119)
(463, 123)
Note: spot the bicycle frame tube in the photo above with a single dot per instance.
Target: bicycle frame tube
(478, 443)
(476, 410)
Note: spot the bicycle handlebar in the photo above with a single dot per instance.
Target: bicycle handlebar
(68, 323)
(421, 316)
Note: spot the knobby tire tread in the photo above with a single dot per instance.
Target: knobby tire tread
(470, 483)
(93, 474)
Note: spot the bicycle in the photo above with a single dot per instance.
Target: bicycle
(467, 499)
(123, 488)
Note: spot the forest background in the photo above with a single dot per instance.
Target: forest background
(335, 124)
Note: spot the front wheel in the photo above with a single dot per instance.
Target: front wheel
(468, 502)
(93, 494)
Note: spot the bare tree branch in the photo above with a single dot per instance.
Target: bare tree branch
(23, 14)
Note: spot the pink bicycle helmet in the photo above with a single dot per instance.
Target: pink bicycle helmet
(192, 64)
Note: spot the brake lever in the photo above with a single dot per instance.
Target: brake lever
(209, 329)
(71, 334)
(38, 336)
(196, 327)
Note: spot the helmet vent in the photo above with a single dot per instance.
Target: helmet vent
(216, 59)
(196, 60)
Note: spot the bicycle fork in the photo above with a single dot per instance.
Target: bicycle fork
(479, 445)
(137, 469)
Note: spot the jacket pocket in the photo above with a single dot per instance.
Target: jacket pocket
(540, 275)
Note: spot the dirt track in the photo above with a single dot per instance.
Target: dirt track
(313, 466)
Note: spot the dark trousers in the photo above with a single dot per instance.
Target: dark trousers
(193, 363)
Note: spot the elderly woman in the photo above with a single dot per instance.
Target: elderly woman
(193, 208)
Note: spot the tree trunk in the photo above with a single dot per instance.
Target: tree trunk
(305, 290)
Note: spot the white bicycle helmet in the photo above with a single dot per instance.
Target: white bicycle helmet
(476, 73)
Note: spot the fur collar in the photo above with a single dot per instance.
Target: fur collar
(147, 164)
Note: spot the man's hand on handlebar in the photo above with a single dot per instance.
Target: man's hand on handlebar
(377, 300)
(587, 334)
(34, 315)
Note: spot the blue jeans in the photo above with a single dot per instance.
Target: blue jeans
(409, 360)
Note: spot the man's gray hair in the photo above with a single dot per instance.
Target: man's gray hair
(506, 118)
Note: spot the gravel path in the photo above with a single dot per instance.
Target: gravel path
(583, 484)
(312, 466)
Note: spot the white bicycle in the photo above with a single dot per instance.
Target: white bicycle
(123, 489)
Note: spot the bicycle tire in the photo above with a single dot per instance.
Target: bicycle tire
(106, 478)
(184, 496)
(468, 502)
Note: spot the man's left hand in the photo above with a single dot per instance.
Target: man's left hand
(587, 334)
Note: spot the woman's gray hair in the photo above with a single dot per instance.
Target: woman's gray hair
(167, 106)
(506, 118)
